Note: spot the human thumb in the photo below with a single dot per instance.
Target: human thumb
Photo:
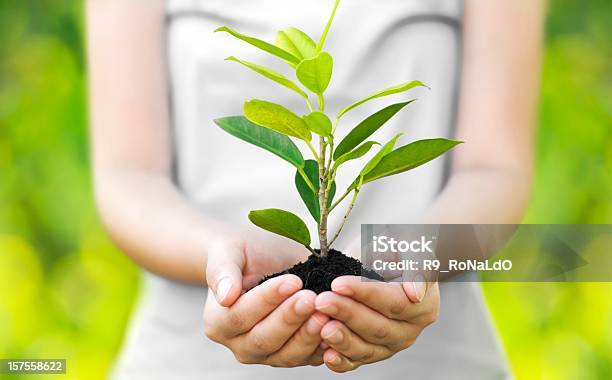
(224, 271)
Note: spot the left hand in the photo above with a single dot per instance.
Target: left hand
(372, 321)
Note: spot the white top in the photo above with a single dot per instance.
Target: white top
(375, 45)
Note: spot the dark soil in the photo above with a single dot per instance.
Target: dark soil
(317, 274)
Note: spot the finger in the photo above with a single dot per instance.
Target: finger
(224, 271)
(270, 334)
(416, 290)
(300, 348)
(254, 305)
(389, 299)
(370, 325)
(316, 359)
(338, 362)
(350, 345)
(429, 307)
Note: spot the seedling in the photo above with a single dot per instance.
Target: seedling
(274, 128)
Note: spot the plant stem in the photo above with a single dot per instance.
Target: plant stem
(309, 104)
(314, 152)
(336, 203)
(323, 194)
(326, 30)
(321, 103)
(331, 176)
(307, 180)
(311, 250)
(324, 170)
(335, 125)
(331, 153)
(346, 215)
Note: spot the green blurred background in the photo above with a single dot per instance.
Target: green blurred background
(65, 291)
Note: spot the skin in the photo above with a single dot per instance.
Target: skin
(155, 225)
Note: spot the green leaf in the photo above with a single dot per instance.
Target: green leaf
(386, 149)
(332, 194)
(409, 157)
(319, 123)
(355, 153)
(367, 127)
(263, 45)
(272, 141)
(281, 223)
(271, 74)
(276, 117)
(297, 43)
(389, 91)
(311, 200)
(315, 73)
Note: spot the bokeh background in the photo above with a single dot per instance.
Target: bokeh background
(65, 291)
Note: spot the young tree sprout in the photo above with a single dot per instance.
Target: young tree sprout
(273, 127)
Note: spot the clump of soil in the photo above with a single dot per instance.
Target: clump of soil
(317, 274)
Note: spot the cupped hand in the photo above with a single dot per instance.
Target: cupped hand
(274, 323)
(238, 261)
(371, 321)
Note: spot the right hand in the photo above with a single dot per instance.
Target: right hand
(275, 323)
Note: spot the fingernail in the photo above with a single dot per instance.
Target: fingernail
(313, 327)
(321, 318)
(223, 288)
(287, 288)
(328, 309)
(335, 360)
(335, 337)
(420, 286)
(345, 291)
(303, 307)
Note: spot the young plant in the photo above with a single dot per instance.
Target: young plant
(273, 127)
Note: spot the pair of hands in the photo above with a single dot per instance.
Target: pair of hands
(280, 325)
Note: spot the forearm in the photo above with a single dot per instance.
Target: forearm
(491, 175)
(486, 196)
(148, 218)
(497, 115)
(142, 210)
